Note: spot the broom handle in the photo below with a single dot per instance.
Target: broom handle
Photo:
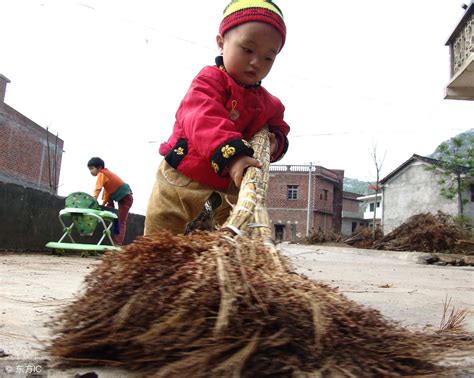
(250, 213)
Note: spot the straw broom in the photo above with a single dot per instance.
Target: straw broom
(250, 213)
(211, 305)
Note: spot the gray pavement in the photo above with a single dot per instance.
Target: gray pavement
(395, 283)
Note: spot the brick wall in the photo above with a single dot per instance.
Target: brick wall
(350, 202)
(25, 156)
(289, 216)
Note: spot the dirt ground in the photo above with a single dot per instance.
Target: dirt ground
(35, 286)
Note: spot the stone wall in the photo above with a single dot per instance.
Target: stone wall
(29, 220)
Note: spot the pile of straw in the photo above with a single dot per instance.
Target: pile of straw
(211, 305)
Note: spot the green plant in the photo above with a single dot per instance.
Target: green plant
(455, 161)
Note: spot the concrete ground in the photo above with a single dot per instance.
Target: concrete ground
(34, 286)
(395, 283)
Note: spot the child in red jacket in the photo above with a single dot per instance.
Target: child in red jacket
(208, 150)
(114, 189)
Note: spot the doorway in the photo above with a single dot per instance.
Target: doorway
(279, 232)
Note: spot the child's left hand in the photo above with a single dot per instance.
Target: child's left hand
(109, 204)
(273, 143)
(238, 166)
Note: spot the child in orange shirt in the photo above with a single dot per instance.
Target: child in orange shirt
(115, 189)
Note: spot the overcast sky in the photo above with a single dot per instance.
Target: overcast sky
(107, 76)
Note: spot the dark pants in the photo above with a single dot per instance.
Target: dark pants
(124, 206)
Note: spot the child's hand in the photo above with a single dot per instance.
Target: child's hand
(238, 166)
(273, 143)
(109, 204)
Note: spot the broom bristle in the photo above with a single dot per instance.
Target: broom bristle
(218, 306)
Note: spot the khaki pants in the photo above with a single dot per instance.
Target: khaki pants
(177, 200)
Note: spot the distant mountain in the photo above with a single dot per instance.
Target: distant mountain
(466, 136)
(356, 186)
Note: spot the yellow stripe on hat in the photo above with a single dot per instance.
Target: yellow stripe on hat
(237, 5)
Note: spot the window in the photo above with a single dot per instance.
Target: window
(325, 194)
(372, 205)
(292, 193)
(472, 192)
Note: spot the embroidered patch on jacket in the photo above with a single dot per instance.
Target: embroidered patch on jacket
(178, 153)
(226, 151)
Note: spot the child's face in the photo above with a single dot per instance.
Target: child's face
(94, 171)
(249, 51)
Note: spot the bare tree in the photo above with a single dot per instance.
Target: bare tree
(378, 163)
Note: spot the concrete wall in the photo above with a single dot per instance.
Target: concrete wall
(29, 219)
(346, 228)
(469, 207)
(413, 191)
(351, 212)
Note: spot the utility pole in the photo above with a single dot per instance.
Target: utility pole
(308, 211)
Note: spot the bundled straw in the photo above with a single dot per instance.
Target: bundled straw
(209, 305)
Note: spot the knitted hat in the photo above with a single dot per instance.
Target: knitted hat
(241, 11)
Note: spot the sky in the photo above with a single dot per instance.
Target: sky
(107, 77)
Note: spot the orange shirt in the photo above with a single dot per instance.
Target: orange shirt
(108, 181)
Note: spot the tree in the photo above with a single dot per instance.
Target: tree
(455, 162)
(378, 162)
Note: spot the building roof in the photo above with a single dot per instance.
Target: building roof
(4, 78)
(350, 195)
(416, 157)
(333, 175)
(461, 23)
(369, 197)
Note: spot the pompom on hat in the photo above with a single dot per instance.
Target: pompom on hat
(241, 11)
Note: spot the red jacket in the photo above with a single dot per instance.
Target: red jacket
(214, 123)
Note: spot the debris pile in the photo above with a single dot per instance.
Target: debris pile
(424, 232)
(363, 237)
(320, 237)
(220, 306)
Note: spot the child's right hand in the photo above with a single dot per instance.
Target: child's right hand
(238, 166)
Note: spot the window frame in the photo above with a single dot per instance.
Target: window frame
(292, 192)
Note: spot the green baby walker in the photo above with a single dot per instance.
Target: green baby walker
(83, 214)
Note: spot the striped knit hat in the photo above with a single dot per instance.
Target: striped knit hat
(241, 11)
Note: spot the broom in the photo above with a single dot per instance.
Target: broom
(210, 305)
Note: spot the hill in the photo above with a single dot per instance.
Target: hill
(356, 186)
(466, 136)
